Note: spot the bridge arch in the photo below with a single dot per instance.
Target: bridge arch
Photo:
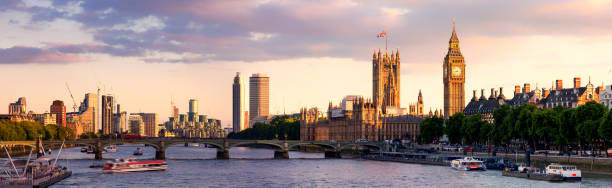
(322, 145)
(247, 143)
(368, 145)
(216, 145)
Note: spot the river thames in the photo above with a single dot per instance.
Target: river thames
(253, 167)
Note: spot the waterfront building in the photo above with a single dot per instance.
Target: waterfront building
(453, 77)
(73, 121)
(486, 106)
(150, 123)
(45, 118)
(192, 115)
(183, 126)
(239, 113)
(87, 110)
(605, 96)
(386, 80)
(19, 107)
(107, 114)
(58, 108)
(259, 95)
(137, 125)
(120, 120)
(359, 118)
(571, 97)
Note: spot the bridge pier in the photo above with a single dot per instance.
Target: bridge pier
(332, 154)
(223, 154)
(39, 151)
(98, 150)
(160, 153)
(282, 154)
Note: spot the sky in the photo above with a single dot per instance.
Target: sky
(147, 53)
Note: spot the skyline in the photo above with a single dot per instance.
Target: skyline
(557, 48)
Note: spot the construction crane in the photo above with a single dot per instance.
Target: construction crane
(73, 101)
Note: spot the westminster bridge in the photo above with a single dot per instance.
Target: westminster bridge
(332, 149)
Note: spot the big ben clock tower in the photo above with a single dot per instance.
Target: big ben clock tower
(453, 77)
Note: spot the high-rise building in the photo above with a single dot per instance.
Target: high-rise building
(137, 125)
(19, 107)
(454, 77)
(87, 112)
(150, 123)
(59, 110)
(119, 120)
(386, 80)
(259, 95)
(193, 110)
(107, 114)
(238, 112)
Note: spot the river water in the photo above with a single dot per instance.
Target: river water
(253, 167)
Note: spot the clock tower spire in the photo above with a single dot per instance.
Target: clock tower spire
(453, 77)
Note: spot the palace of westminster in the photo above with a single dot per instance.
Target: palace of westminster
(382, 118)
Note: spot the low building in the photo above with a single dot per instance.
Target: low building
(44, 119)
(605, 97)
(486, 106)
(137, 125)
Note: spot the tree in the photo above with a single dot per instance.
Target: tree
(500, 132)
(523, 125)
(545, 125)
(453, 128)
(485, 132)
(431, 129)
(605, 129)
(588, 117)
(471, 129)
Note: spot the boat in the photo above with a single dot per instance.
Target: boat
(531, 173)
(90, 150)
(195, 144)
(138, 151)
(41, 172)
(83, 150)
(568, 172)
(131, 165)
(467, 164)
(111, 148)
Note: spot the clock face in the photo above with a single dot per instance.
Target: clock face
(456, 71)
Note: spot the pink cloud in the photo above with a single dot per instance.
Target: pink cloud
(22, 55)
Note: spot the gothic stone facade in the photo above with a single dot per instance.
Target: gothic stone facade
(454, 77)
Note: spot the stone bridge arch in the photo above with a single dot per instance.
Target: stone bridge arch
(326, 146)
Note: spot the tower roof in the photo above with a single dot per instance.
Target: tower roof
(454, 35)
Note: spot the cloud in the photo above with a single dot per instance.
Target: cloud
(255, 36)
(142, 24)
(20, 55)
(394, 11)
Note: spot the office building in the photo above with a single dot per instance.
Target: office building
(137, 125)
(259, 95)
(87, 110)
(150, 123)
(239, 118)
(58, 108)
(19, 107)
(107, 114)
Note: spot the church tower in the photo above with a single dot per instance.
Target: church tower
(453, 77)
(420, 104)
(386, 76)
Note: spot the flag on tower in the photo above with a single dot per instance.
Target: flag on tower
(383, 34)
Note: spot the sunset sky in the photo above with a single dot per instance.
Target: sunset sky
(148, 52)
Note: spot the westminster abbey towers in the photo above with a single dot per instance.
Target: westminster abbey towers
(454, 77)
(386, 78)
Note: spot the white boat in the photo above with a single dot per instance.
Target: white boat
(111, 148)
(195, 144)
(568, 172)
(131, 165)
(468, 163)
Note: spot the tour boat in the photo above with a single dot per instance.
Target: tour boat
(131, 165)
(138, 151)
(468, 163)
(41, 172)
(111, 148)
(83, 150)
(568, 172)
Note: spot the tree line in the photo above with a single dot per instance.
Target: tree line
(585, 125)
(276, 129)
(18, 131)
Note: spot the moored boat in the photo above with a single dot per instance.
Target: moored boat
(568, 172)
(131, 165)
(467, 164)
(41, 172)
(111, 148)
(138, 151)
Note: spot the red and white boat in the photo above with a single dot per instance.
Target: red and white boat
(131, 165)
